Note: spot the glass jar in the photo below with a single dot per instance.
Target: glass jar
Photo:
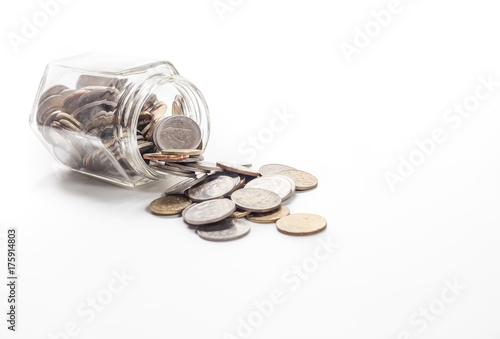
(96, 114)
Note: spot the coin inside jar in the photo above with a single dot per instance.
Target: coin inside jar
(177, 132)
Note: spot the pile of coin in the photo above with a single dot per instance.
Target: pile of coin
(215, 197)
(87, 126)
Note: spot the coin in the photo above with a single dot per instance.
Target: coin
(190, 159)
(214, 187)
(57, 89)
(303, 180)
(86, 80)
(154, 156)
(225, 230)
(62, 115)
(159, 109)
(269, 217)
(169, 205)
(48, 106)
(178, 105)
(166, 170)
(274, 169)
(177, 132)
(239, 214)
(185, 167)
(185, 184)
(238, 169)
(182, 151)
(275, 183)
(207, 166)
(70, 103)
(209, 211)
(256, 199)
(301, 224)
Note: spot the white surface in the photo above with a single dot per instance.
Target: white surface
(397, 250)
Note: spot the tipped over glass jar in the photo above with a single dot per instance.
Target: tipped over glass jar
(107, 117)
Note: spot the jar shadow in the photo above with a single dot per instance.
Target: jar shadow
(84, 185)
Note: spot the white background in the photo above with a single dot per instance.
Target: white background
(352, 121)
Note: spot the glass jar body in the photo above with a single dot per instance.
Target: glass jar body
(94, 113)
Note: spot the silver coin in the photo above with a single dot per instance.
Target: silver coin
(256, 199)
(213, 188)
(278, 184)
(185, 184)
(177, 132)
(225, 230)
(187, 167)
(208, 212)
(274, 169)
(166, 170)
(206, 166)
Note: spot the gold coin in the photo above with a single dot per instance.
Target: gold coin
(170, 204)
(239, 214)
(301, 224)
(303, 180)
(269, 217)
(181, 151)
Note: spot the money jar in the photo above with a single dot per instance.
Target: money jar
(96, 114)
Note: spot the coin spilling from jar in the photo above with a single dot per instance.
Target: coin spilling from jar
(214, 198)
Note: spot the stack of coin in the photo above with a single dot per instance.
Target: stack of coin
(221, 194)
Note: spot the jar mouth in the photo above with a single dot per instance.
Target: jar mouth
(166, 89)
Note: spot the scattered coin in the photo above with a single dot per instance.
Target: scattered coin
(303, 180)
(238, 169)
(208, 166)
(225, 230)
(208, 212)
(256, 199)
(273, 169)
(183, 185)
(275, 183)
(169, 205)
(239, 214)
(269, 217)
(214, 187)
(301, 224)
